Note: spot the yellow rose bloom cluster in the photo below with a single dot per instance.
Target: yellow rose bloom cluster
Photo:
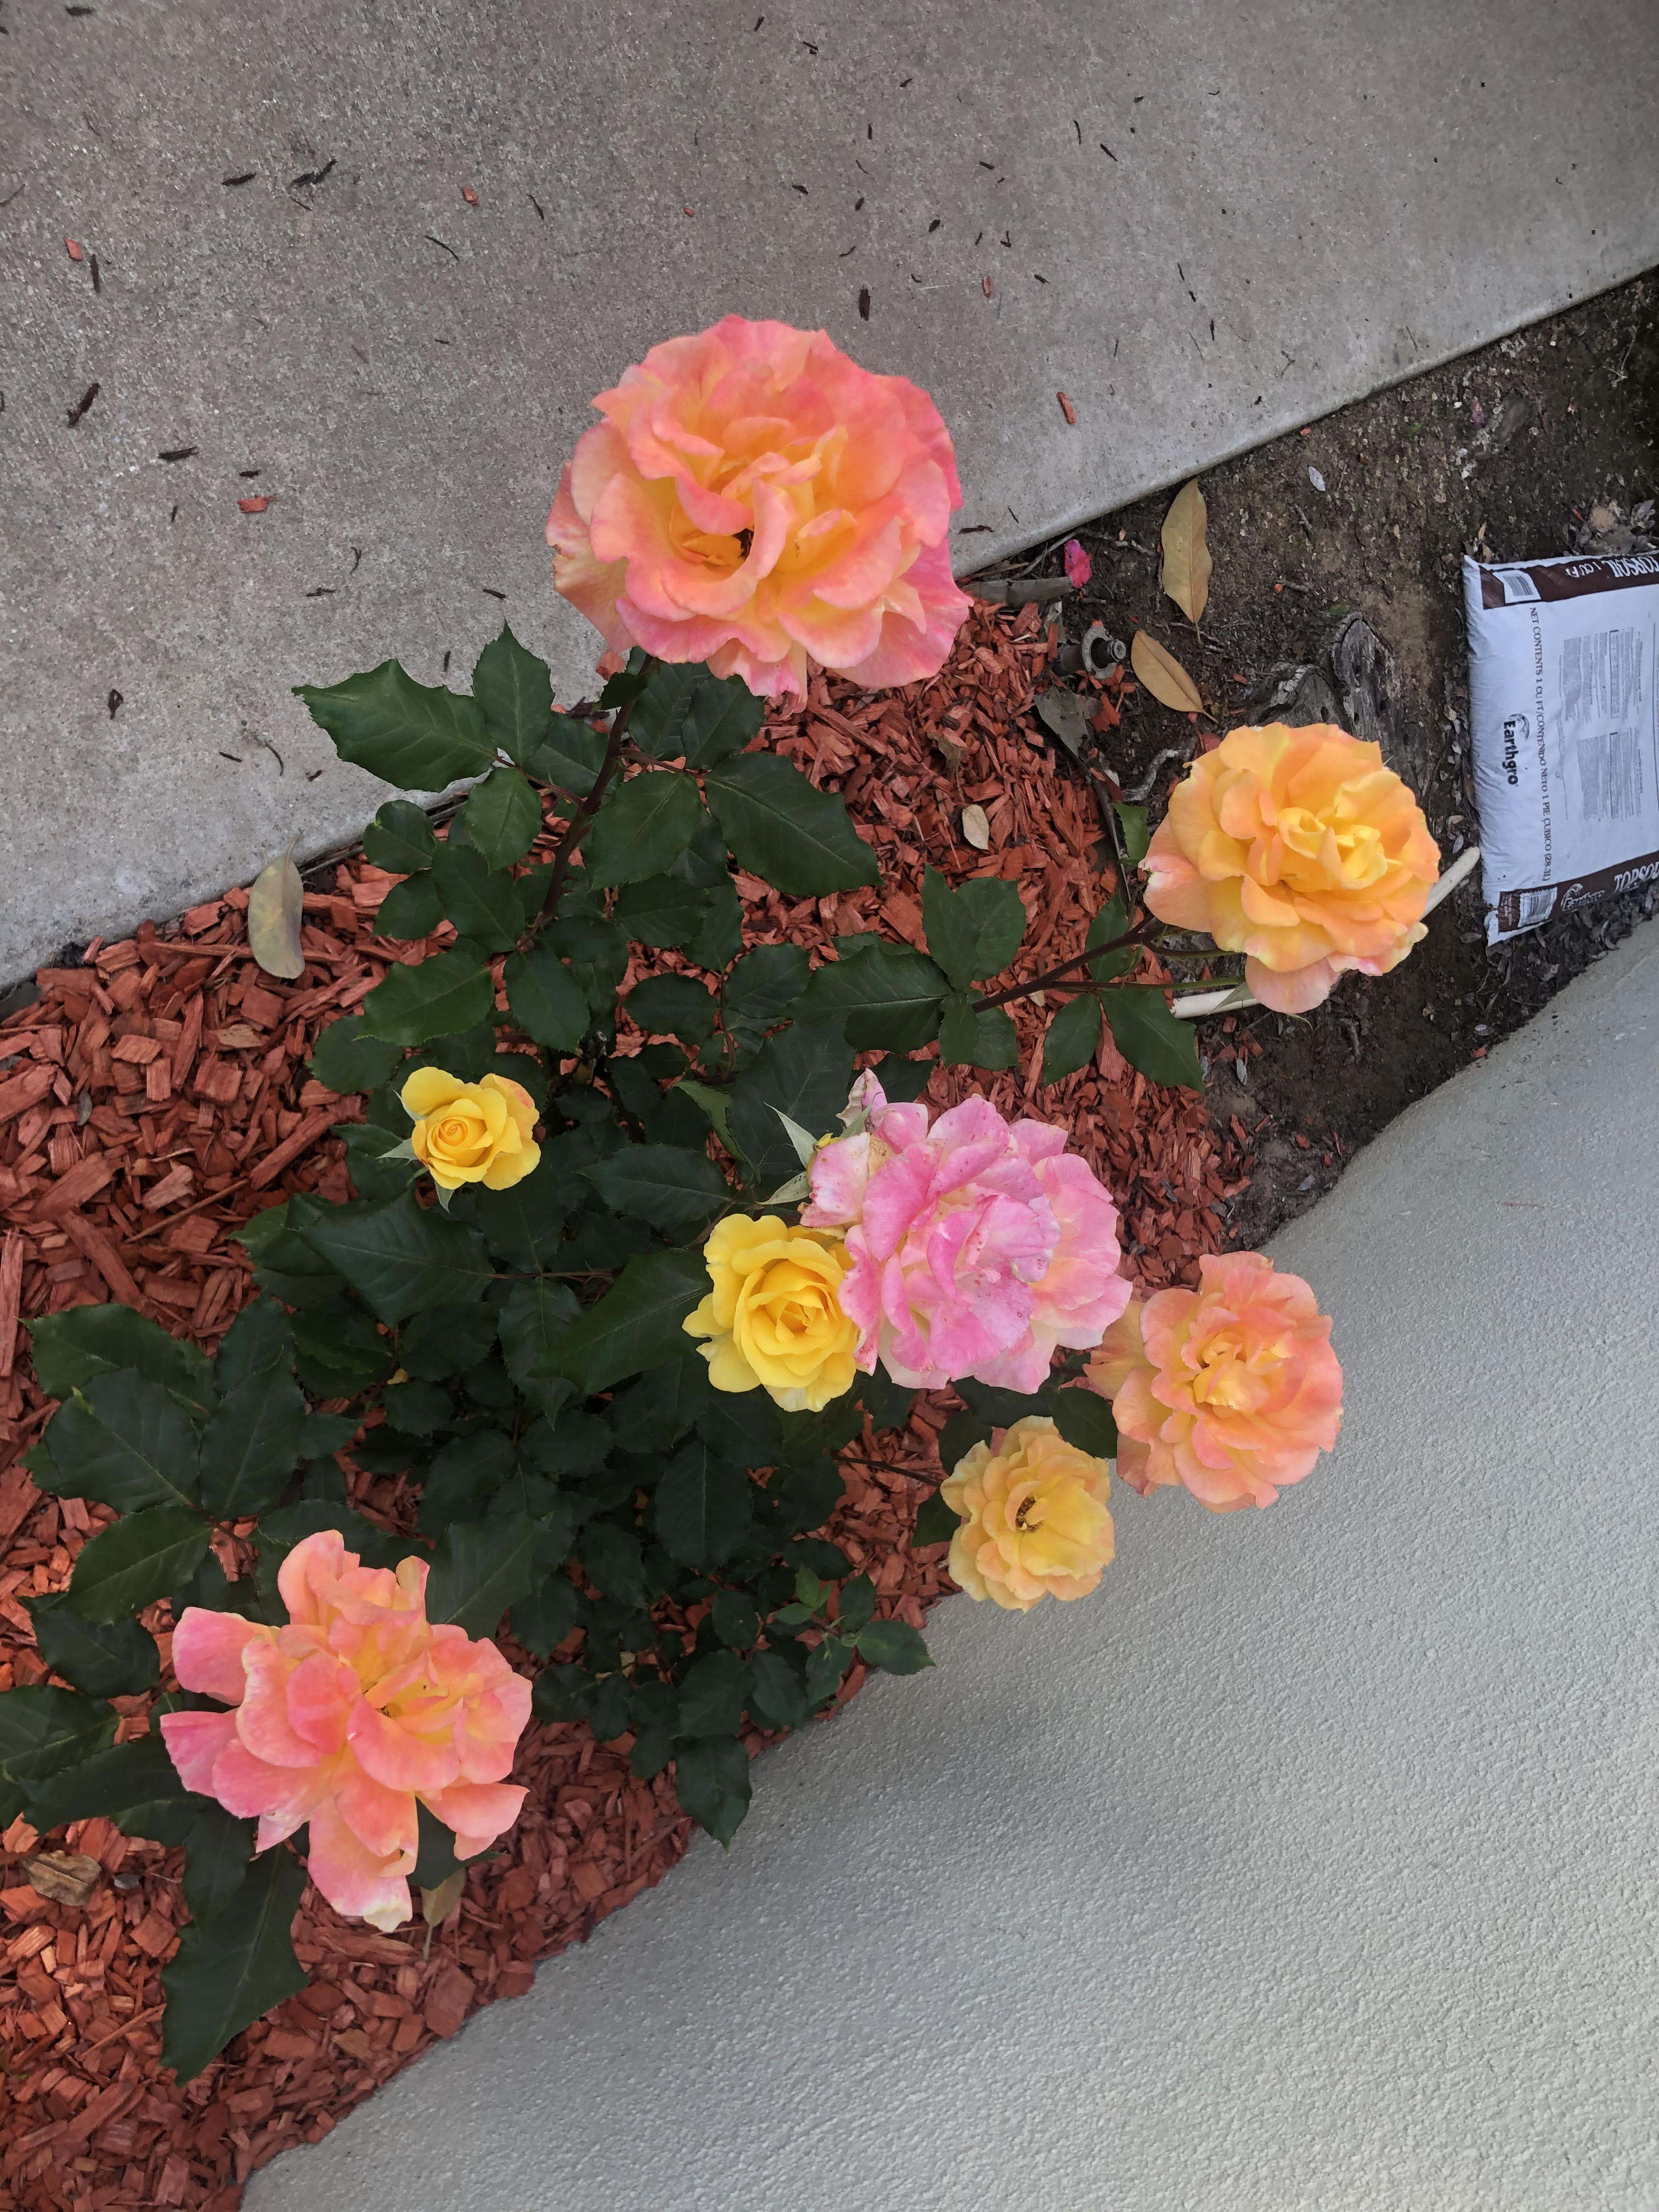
(774, 1313)
(471, 1132)
(1034, 1517)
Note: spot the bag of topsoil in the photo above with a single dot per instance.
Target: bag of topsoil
(1562, 702)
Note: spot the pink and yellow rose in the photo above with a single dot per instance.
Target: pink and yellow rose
(1035, 1522)
(1231, 1389)
(1301, 850)
(977, 1246)
(344, 1718)
(755, 500)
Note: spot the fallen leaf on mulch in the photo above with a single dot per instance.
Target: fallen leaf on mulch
(155, 1098)
(274, 908)
(1163, 675)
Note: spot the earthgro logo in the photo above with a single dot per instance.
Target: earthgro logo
(1516, 730)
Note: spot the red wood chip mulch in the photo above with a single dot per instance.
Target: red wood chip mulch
(157, 1096)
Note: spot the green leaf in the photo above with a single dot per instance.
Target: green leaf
(542, 1620)
(888, 995)
(439, 996)
(887, 1403)
(936, 1522)
(338, 1348)
(464, 1480)
(801, 841)
(974, 932)
(825, 1666)
(740, 1427)
(778, 1694)
(1085, 1420)
(485, 904)
(252, 1445)
(227, 1973)
(598, 952)
(737, 1624)
(447, 1339)
(545, 1000)
(638, 1323)
(893, 1647)
(378, 1161)
(713, 1694)
(435, 1860)
(43, 1729)
(138, 1560)
(808, 1494)
(1153, 1039)
(70, 1348)
(718, 943)
(401, 1256)
(671, 1187)
(1132, 821)
(412, 908)
(401, 840)
(523, 1225)
(656, 721)
(503, 817)
(480, 1569)
(704, 1508)
(218, 1856)
(608, 1715)
(641, 826)
(559, 1694)
(662, 910)
(418, 737)
(626, 685)
(415, 1409)
(613, 1562)
(761, 990)
(125, 1441)
(959, 1436)
(570, 756)
(259, 1340)
(535, 1320)
(514, 694)
(987, 1038)
(135, 1784)
(673, 1006)
(724, 716)
(116, 1659)
(805, 1072)
(1073, 1036)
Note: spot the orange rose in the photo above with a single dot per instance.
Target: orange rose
(1229, 1388)
(1300, 849)
(754, 498)
(1034, 1517)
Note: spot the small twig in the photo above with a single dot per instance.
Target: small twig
(582, 820)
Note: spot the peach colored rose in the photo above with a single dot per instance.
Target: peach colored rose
(753, 499)
(471, 1132)
(1300, 849)
(774, 1311)
(344, 1717)
(1034, 1517)
(1230, 1389)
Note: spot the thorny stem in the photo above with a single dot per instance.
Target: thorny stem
(582, 820)
(1143, 933)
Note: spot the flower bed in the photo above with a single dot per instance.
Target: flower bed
(92, 2118)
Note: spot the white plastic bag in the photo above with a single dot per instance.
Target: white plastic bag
(1566, 730)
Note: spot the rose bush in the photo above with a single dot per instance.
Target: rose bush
(1300, 849)
(567, 1310)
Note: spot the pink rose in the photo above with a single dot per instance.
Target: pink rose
(754, 498)
(346, 1717)
(1230, 1389)
(977, 1247)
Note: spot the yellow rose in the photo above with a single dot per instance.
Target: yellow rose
(1034, 1517)
(774, 1312)
(471, 1132)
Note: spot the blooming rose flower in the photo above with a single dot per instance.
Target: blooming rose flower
(344, 1717)
(977, 1246)
(471, 1132)
(1300, 849)
(754, 498)
(774, 1312)
(1229, 1388)
(1034, 1517)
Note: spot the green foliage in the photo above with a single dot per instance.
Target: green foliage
(514, 694)
(1153, 1038)
(972, 933)
(140, 1558)
(642, 825)
(883, 994)
(637, 1324)
(226, 1974)
(438, 996)
(970, 1037)
(401, 838)
(781, 830)
(545, 1000)
(42, 1730)
(416, 736)
(107, 1659)
(1073, 1038)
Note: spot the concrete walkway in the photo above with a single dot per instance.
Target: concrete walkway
(1299, 201)
(1308, 1866)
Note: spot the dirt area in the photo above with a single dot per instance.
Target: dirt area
(1504, 455)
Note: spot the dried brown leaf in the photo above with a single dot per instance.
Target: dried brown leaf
(977, 828)
(1187, 562)
(275, 905)
(1163, 675)
(437, 1905)
(66, 1877)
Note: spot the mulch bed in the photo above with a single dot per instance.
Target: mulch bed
(152, 1100)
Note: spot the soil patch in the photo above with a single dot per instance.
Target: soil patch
(1540, 444)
